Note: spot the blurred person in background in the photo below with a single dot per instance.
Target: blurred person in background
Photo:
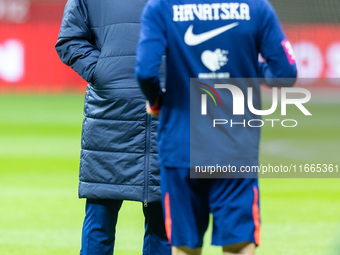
(197, 36)
(118, 161)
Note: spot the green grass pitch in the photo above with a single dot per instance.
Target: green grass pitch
(40, 213)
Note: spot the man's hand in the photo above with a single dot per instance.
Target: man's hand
(153, 110)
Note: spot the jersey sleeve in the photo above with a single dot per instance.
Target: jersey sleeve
(151, 46)
(75, 45)
(279, 68)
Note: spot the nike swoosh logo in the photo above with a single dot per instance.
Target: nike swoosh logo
(192, 39)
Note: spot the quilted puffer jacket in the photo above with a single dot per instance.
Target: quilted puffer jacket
(98, 39)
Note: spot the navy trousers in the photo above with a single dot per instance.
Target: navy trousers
(99, 228)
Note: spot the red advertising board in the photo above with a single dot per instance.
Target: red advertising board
(29, 62)
(317, 51)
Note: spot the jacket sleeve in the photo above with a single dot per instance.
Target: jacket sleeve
(279, 70)
(75, 45)
(151, 46)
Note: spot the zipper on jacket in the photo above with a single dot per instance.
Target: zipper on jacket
(147, 156)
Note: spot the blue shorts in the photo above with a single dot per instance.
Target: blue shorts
(187, 202)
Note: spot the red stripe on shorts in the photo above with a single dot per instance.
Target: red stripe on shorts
(256, 216)
(168, 220)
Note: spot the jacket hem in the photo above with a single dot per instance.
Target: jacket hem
(119, 192)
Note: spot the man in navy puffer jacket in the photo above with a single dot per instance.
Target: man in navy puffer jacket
(118, 162)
